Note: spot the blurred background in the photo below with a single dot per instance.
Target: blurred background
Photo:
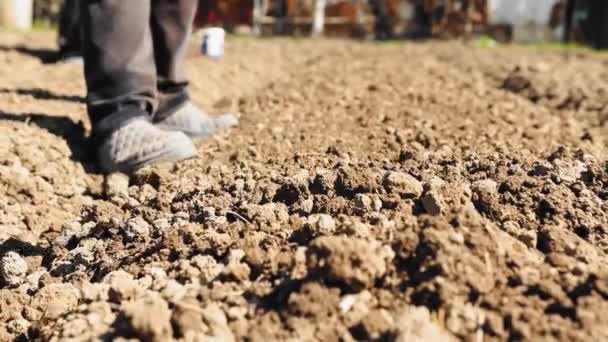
(371, 188)
(562, 21)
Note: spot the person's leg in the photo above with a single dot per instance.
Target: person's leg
(121, 82)
(119, 57)
(171, 24)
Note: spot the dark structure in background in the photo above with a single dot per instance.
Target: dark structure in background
(421, 25)
(586, 21)
(69, 40)
(382, 25)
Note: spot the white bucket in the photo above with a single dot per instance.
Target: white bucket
(16, 14)
(213, 42)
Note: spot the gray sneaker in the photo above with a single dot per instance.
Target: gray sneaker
(138, 143)
(195, 123)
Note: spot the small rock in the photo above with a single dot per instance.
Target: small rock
(363, 203)
(236, 312)
(187, 319)
(299, 263)
(81, 256)
(68, 231)
(415, 324)
(403, 184)
(347, 302)
(18, 326)
(137, 227)
(239, 185)
(155, 278)
(148, 318)
(161, 224)
(528, 237)
(376, 324)
(33, 279)
(13, 269)
(355, 229)
(217, 322)
(433, 182)
(432, 203)
(173, 290)
(457, 237)
(235, 255)
(322, 182)
(237, 270)
(209, 213)
(186, 271)
(376, 204)
(529, 275)
(307, 205)
(354, 263)
(321, 224)
(95, 292)
(463, 319)
(570, 171)
(209, 268)
(487, 186)
(122, 286)
(267, 213)
(314, 300)
(116, 184)
(54, 300)
(579, 268)
(354, 307)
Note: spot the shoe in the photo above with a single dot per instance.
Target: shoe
(138, 142)
(195, 123)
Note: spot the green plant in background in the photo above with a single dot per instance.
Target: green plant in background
(486, 42)
(574, 46)
(46, 13)
(43, 25)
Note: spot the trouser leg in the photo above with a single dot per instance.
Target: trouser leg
(171, 25)
(118, 57)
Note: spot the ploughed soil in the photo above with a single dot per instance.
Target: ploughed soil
(395, 192)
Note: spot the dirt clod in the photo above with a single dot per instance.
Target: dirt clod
(354, 263)
(116, 184)
(415, 324)
(321, 224)
(53, 301)
(13, 269)
(403, 184)
(146, 318)
(137, 227)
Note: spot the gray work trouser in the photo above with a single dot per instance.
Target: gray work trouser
(133, 54)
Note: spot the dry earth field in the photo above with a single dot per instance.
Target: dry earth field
(397, 192)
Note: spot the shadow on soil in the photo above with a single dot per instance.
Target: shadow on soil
(21, 247)
(42, 94)
(73, 133)
(46, 56)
